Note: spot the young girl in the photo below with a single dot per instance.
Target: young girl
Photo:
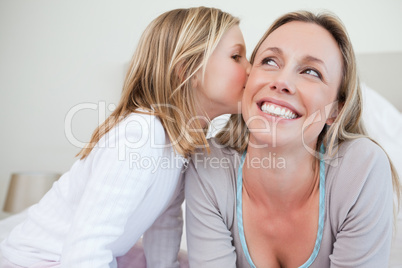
(189, 67)
(305, 186)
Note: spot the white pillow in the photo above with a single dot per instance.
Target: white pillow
(384, 124)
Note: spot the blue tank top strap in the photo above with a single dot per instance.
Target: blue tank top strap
(239, 211)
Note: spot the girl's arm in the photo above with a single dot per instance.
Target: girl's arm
(209, 240)
(124, 194)
(362, 200)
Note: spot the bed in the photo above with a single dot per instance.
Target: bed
(382, 113)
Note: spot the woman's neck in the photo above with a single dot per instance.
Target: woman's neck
(280, 179)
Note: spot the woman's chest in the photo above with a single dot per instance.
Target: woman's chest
(274, 241)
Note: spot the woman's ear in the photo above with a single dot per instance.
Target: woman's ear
(196, 79)
(332, 112)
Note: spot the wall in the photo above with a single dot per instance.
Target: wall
(55, 55)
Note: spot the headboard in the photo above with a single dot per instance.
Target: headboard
(381, 71)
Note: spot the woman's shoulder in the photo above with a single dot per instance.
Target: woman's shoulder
(362, 148)
(359, 171)
(219, 161)
(357, 157)
(210, 180)
(360, 153)
(216, 170)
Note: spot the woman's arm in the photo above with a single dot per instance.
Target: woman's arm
(209, 240)
(364, 197)
(162, 240)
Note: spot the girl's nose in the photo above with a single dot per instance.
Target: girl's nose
(248, 67)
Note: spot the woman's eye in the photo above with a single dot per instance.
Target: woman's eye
(313, 73)
(269, 61)
(236, 57)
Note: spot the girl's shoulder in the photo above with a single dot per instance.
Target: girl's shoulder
(137, 129)
(134, 134)
(142, 121)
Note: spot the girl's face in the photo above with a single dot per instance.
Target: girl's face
(292, 86)
(221, 90)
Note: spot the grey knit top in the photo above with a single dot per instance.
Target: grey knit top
(355, 221)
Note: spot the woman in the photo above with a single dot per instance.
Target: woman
(304, 186)
(189, 67)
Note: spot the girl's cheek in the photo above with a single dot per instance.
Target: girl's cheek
(242, 75)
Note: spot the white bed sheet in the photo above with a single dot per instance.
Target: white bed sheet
(395, 259)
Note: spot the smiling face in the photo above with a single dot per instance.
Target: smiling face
(293, 82)
(222, 88)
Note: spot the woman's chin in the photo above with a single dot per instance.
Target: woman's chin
(272, 141)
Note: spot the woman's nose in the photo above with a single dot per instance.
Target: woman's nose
(283, 84)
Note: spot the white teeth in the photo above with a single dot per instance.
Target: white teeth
(278, 111)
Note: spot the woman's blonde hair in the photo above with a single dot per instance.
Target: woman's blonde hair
(348, 124)
(171, 50)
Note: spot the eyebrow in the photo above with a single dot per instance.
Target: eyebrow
(276, 50)
(243, 47)
(314, 59)
(307, 58)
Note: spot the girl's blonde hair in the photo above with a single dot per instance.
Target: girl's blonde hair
(171, 50)
(348, 124)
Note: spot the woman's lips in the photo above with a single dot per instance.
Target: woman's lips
(278, 109)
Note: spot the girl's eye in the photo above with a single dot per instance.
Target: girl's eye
(269, 61)
(236, 58)
(313, 73)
